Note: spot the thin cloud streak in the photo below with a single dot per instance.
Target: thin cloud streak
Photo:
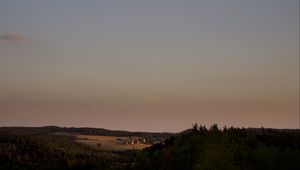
(15, 38)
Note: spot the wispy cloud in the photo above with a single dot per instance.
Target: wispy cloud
(14, 37)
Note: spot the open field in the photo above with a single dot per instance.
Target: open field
(112, 143)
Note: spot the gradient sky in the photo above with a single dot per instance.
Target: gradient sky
(156, 65)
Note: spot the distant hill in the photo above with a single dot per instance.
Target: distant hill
(82, 130)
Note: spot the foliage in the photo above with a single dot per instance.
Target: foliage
(31, 151)
(228, 149)
(198, 148)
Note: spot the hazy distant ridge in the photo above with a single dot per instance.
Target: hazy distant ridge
(81, 130)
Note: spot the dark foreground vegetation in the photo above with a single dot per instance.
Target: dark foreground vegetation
(196, 148)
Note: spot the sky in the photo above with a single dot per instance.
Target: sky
(149, 65)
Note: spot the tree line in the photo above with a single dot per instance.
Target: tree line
(198, 148)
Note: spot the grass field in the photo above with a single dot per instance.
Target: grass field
(111, 143)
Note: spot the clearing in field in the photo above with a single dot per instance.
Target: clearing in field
(113, 143)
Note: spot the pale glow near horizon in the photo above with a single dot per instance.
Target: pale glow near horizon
(149, 65)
